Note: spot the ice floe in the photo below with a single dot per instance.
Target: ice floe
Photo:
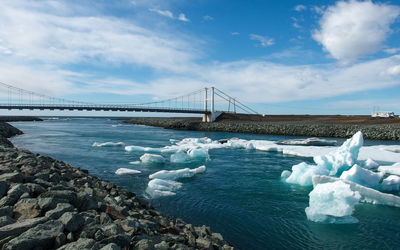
(370, 164)
(108, 144)
(332, 203)
(163, 183)
(152, 159)
(302, 173)
(393, 169)
(362, 176)
(313, 141)
(391, 183)
(142, 149)
(122, 171)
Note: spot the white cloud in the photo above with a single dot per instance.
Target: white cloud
(395, 70)
(165, 13)
(183, 18)
(264, 41)
(235, 33)
(350, 30)
(208, 18)
(392, 50)
(300, 7)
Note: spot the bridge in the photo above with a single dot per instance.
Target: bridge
(210, 102)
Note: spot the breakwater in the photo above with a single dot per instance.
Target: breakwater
(288, 128)
(46, 203)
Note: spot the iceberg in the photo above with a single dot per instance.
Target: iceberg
(142, 149)
(122, 171)
(158, 187)
(313, 141)
(177, 174)
(332, 203)
(180, 157)
(362, 176)
(201, 153)
(285, 174)
(302, 173)
(370, 164)
(152, 159)
(368, 195)
(393, 169)
(107, 144)
(391, 183)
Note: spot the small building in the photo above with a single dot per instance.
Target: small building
(383, 114)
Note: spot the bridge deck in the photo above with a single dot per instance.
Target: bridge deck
(103, 108)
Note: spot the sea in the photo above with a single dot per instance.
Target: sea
(240, 195)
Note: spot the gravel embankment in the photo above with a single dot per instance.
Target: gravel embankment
(47, 204)
(370, 131)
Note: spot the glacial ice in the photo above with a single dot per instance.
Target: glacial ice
(198, 153)
(362, 176)
(177, 174)
(368, 195)
(370, 164)
(180, 157)
(313, 141)
(285, 174)
(302, 173)
(142, 149)
(391, 183)
(122, 171)
(393, 169)
(152, 159)
(107, 144)
(332, 203)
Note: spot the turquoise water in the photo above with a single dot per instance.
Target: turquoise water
(240, 195)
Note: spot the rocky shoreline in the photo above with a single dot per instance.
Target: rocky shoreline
(287, 128)
(47, 204)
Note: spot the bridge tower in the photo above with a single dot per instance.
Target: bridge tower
(210, 117)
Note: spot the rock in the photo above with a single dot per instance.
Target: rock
(143, 244)
(111, 246)
(105, 219)
(86, 202)
(121, 240)
(42, 236)
(12, 177)
(60, 240)
(43, 183)
(35, 189)
(68, 195)
(203, 243)
(117, 212)
(82, 243)
(26, 209)
(162, 246)
(129, 225)
(47, 204)
(59, 210)
(3, 188)
(16, 191)
(112, 229)
(70, 237)
(6, 220)
(20, 227)
(72, 221)
(202, 231)
(6, 211)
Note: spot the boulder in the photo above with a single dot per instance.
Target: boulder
(72, 221)
(60, 210)
(121, 240)
(3, 188)
(26, 209)
(14, 177)
(20, 227)
(47, 204)
(6, 220)
(82, 243)
(68, 195)
(111, 246)
(42, 236)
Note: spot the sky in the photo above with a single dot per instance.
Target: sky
(278, 57)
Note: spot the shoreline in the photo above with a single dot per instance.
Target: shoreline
(49, 204)
(286, 127)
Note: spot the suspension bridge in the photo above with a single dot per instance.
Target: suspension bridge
(210, 102)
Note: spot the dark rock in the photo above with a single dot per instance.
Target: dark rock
(6, 211)
(86, 202)
(59, 210)
(68, 195)
(105, 218)
(26, 209)
(129, 225)
(20, 227)
(60, 240)
(143, 244)
(70, 237)
(121, 240)
(112, 229)
(43, 183)
(14, 177)
(35, 189)
(117, 212)
(3, 188)
(6, 220)
(111, 246)
(72, 221)
(49, 203)
(42, 235)
(203, 243)
(87, 244)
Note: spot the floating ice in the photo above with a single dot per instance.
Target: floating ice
(362, 176)
(343, 157)
(121, 171)
(285, 174)
(108, 144)
(393, 169)
(158, 187)
(177, 174)
(142, 149)
(302, 173)
(313, 141)
(368, 195)
(134, 162)
(152, 159)
(180, 157)
(198, 153)
(332, 203)
(391, 183)
(369, 164)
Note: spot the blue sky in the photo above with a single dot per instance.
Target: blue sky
(291, 57)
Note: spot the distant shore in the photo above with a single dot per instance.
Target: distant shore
(288, 125)
(19, 118)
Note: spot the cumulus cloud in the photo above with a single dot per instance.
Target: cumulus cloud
(300, 7)
(350, 30)
(395, 70)
(183, 18)
(263, 40)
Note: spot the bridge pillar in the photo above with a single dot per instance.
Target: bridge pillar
(213, 115)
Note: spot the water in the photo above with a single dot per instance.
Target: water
(240, 195)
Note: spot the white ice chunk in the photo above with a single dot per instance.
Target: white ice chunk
(180, 157)
(313, 141)
(332, 203)
(370, 164)
(122, 171)
(368, 195)
(142, 149)
(135, 162)
(393, 169)
(201, 153)
(157, 187)
(177, 174)
(343, 157)
(108, 144)
(285, 174)
(302, 173)
(152, 159)
(362, 176)
(391, 183)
